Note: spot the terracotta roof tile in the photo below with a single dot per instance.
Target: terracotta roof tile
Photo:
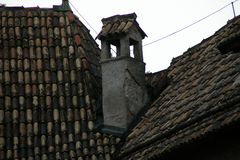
(49, 74)
(116, 25)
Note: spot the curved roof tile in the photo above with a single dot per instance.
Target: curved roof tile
(49, 85)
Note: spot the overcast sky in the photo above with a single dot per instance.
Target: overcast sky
(157, 18)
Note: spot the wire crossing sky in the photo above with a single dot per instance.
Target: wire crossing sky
(172, 26)
(173, 33)
(194, 23)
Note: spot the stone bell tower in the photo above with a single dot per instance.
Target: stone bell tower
(123, 71)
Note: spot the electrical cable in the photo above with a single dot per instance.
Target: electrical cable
(169, 35)
(83, 18)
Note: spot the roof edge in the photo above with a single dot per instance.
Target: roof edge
(197, 47)
(116, 17)
(64, 6)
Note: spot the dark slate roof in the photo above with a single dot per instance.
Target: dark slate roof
(203, 95)
(49, 87)
(119, 24)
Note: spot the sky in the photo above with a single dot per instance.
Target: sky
(158, 18)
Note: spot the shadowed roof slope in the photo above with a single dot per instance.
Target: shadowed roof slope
(203, 96)
(49, 86)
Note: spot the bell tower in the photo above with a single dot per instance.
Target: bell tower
(123, 71)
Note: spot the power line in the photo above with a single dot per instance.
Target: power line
(86, 21)
(169, 35)
(83, 18)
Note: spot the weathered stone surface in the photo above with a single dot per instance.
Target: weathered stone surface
(123, 76)
(119, 87)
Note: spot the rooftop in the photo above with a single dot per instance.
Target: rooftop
(202, 96)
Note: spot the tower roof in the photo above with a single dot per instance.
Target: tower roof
(119, 24)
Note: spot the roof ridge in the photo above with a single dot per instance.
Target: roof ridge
(112, 19)
(62, 7)
(198, 46)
